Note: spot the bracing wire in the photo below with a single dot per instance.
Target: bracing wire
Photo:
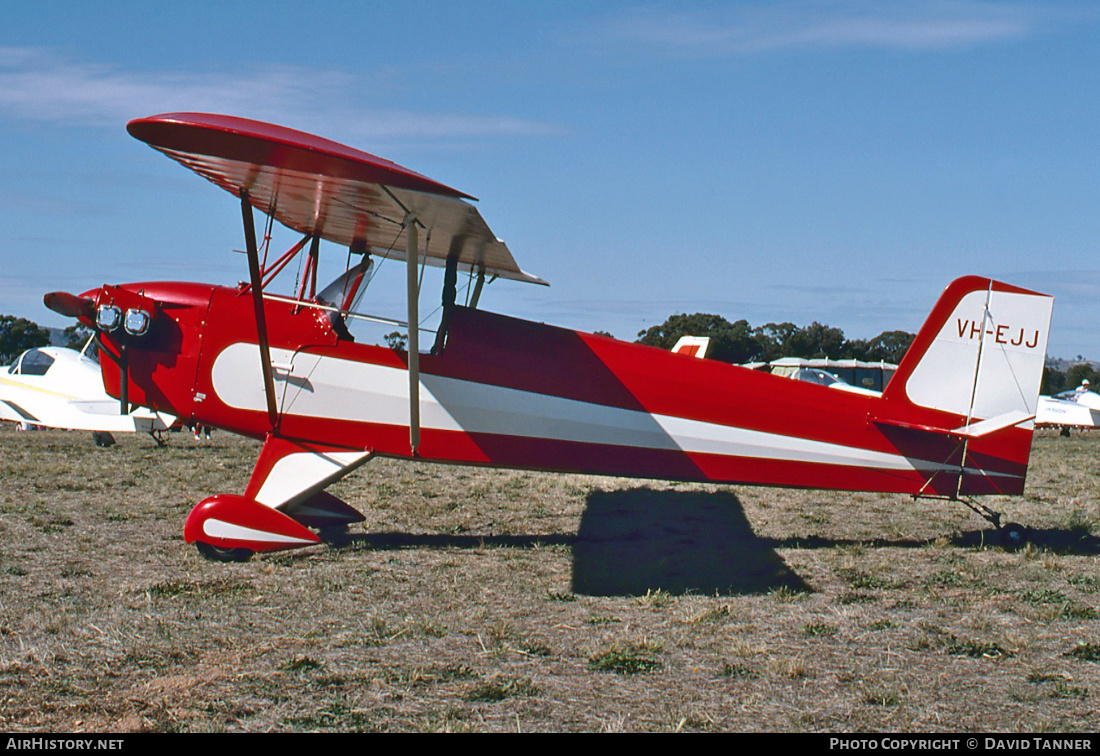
(267, 237)
(383, 258)
(298, 275)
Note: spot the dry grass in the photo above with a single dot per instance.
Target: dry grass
(500, 601)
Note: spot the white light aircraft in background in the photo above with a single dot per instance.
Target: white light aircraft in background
(58, 387)
(1076, 408)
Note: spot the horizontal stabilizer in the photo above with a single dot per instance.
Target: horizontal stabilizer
(994, 424)
(973, 430)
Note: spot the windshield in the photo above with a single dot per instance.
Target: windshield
(345, 292)
(33, 362)
(813, 375)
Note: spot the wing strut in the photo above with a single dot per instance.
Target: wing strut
(258, 305)
(412, 255)
(477, 288)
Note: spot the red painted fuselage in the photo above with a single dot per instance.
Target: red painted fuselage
(510, 393)
(955, 419)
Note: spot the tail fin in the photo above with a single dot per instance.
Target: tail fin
(980, 354)
(693, 346)
(979, 358)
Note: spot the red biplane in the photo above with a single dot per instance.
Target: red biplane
(954, 422)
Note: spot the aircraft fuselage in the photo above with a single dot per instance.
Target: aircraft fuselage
(511, 393)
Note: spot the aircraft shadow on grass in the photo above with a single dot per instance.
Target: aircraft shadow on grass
(1066, 541)
(1075, 541)
(639, 540)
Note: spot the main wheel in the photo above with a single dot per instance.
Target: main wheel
(217, 554)
(1014, 536)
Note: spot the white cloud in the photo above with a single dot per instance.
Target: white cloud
(1081, 288)
(744, 28)
(42, 85)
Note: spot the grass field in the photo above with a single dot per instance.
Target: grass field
(480, 600)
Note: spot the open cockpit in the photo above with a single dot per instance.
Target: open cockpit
(349, 312)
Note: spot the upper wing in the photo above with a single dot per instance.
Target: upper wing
(316, 186)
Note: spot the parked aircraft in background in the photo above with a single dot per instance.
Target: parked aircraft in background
(56, 387)
(798, 369)
(954, 422)
(693, 346)
(825, 378)
(1077, 408)
(860, 374)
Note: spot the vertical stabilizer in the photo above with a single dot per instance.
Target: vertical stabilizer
(980, 354)
(693, 346)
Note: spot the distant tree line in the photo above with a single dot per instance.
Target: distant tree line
(740, 342)
(729, 342)
(17, 335)
(1055, 381)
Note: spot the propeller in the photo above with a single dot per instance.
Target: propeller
(83, 309)
(69, 305)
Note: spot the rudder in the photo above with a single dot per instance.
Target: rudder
(980, 354)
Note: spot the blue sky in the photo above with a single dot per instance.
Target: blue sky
(792, 160)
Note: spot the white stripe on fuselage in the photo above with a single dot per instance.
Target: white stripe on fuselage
(335, 388)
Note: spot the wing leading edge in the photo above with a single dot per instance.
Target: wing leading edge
(323, 188)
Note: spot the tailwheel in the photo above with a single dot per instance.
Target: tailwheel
(219, 554)
(1014, 536)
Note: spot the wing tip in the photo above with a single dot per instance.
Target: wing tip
(194, 132)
